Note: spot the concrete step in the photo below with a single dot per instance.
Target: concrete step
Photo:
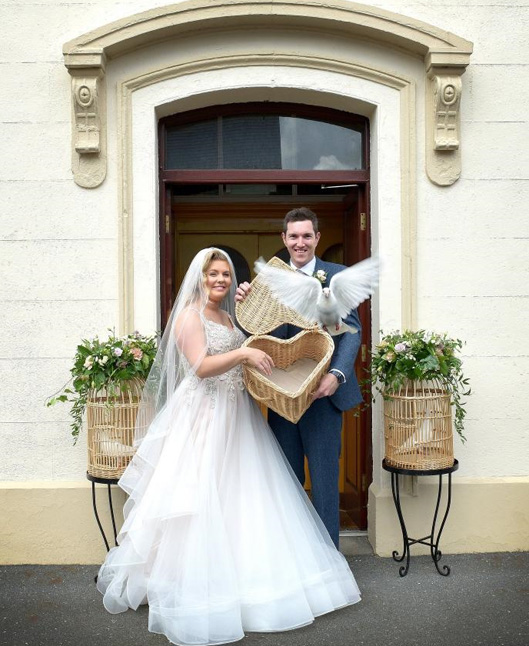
(353, 542)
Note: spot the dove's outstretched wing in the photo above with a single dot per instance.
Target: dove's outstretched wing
(293, 289)
(353, 285)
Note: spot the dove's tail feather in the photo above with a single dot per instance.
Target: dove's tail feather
(259, 264)
(344, 327)
(350, 328)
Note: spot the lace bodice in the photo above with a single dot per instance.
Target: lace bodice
(220, 339)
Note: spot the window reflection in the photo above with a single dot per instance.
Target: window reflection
(263, 142)
(315, 145)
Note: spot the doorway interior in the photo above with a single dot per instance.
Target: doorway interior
(241, 210)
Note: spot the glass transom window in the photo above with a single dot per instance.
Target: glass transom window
(255, 141)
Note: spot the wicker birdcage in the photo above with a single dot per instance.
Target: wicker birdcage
(418, 426)
(300, 362)
(111, 420)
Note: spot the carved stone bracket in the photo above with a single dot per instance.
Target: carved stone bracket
(447, 99)
(443, 127)
(88, 123)
(86, 115)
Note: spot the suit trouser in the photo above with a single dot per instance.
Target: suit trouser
(318, 436)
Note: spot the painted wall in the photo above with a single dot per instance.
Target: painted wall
(59, 248)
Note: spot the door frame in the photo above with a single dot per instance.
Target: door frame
(237, 176)
(360, 221)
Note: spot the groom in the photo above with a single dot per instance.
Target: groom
(317, 434)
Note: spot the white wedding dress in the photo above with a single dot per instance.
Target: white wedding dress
(219, 537)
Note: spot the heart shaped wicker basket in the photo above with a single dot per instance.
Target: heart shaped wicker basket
(308, 353)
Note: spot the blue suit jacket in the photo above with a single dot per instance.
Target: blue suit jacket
(346, 348)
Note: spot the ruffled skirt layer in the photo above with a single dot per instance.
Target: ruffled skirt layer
(219, 537)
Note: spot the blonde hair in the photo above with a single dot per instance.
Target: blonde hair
(212, 255)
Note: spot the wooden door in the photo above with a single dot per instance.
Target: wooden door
(358, 456)
(250, 230)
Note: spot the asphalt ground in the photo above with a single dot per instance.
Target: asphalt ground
(485, 600)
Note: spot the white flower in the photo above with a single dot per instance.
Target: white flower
(104, 359)
(321, 275)
(118, 352)
(88, 362)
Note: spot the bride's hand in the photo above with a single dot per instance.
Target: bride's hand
(260, 360)
(242, 292)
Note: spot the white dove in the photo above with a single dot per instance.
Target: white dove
(326, 306)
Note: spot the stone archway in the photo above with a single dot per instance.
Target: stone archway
(445, 58)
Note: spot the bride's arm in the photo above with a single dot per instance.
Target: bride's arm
(191, 341)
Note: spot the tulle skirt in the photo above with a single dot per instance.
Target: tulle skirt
(219, 537)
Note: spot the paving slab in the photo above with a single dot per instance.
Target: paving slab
(484, 601)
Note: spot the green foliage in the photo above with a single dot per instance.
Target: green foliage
(107, 365)
(420, 356)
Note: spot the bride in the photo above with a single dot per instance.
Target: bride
(219, 537)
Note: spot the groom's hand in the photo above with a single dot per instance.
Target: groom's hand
(242, 292)
(326, 387)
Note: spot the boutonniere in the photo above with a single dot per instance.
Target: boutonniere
(321, 275)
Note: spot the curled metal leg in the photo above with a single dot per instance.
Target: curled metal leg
(431, 541)
(403, 570)
(435, 551)
(97, 515)
(112, 516)
(433, 548)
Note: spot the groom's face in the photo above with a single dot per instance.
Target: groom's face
(301, 241)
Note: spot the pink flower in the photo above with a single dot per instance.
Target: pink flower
(137, 353)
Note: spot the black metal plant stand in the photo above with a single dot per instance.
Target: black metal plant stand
(107, 482)
(432, 540)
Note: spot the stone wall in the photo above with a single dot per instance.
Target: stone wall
(60, 244)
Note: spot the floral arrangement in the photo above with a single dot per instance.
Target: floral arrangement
(420, 356)
(321, 275)
(107, 365)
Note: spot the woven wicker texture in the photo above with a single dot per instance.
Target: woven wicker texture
(111, 424)
(418, 427)
(261, 312)
(313, 344)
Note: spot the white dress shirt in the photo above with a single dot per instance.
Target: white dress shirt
(306, 269)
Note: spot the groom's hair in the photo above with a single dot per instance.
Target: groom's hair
(299, 215)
